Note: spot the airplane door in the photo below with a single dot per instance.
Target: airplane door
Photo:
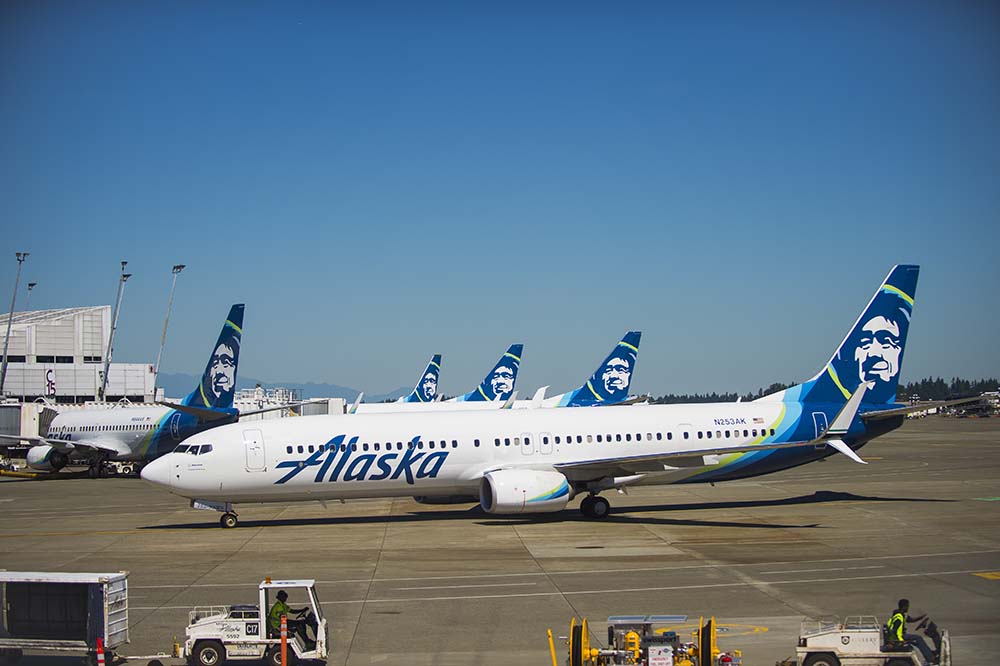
(545, 447)
(819, 421)
(253, 441)
(527, 443)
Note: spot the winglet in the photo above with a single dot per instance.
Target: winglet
(353, 409)
(842, 422)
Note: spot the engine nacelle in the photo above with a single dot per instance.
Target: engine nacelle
(524, 491)
(46, 458)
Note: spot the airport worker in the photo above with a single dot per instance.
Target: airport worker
(896, 626)
(281, 608)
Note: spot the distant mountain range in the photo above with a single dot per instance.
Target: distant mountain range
(178, 385)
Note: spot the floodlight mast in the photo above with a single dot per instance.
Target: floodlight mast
(114, 326)
(176, 270)
(21, 256)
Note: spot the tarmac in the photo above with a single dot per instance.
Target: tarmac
(405, 583)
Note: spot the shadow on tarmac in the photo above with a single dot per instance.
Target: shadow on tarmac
(476, 513)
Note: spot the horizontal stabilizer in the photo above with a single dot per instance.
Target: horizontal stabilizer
(202, 414)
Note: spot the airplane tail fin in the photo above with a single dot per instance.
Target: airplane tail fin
(500, 380)
(610, 383)
(218, 383)
(426, 389)
(873, 349)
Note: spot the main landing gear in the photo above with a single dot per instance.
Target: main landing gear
(595, 506)
(228, 520)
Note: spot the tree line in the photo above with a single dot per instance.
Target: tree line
(928, 389)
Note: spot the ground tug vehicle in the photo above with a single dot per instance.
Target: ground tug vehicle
(216, 634)
(861, 641)
(633, 639)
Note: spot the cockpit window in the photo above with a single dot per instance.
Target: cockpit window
(181, 448)
(206, 448)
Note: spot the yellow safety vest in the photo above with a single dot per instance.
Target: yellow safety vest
(277, 610)
(896, 624)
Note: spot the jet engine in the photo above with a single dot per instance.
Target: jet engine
(524, 491)
(46, 458)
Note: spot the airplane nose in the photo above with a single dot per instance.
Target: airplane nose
(157, 472)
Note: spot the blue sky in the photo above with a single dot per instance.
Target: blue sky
(381, 181)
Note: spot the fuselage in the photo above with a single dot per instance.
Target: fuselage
(138, 433)
(427, 454)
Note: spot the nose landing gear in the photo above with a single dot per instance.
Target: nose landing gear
(228, 520)
(595, 506)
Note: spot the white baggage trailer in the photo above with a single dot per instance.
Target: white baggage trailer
(63, 612)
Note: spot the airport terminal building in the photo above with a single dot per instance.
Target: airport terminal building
(59, 355)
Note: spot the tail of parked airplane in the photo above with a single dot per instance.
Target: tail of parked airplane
(871, 352)
(609, 385)
(499, 382)
(218, 383)
(426, 389)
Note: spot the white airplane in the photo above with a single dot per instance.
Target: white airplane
(530, 461)
(140, 434)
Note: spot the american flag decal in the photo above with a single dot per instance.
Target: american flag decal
(757, 419)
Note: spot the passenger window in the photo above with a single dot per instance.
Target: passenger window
(709, 434)
(754, 431)
(699, 434)
(628, 437)
(475, 442)
(288, 449)
(301, 449)
(598, 439)
(376, 446)
(772, 432)
(557, 439)
(727, 433)
(590, 439)
(527, 441)
(496, 442)
(670, 435)
(517, 441)
(618, 437)
(364, 447)
(312, 449)
(506, 441)
(545, 440)
(659, 436)
(454, 443)
(718, 433)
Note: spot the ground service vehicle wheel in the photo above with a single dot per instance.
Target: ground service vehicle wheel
(600, 508)
(210, 653)
(228, 520)
(273, 657)
(821, 659)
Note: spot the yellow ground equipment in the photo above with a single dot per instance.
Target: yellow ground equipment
(634, 640)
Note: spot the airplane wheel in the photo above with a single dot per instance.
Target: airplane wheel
(92, 472)
(127, 470)
(600, 508)
(228, 520)
(587, 506)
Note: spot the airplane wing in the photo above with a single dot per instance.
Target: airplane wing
(909, 409)
(106, 445)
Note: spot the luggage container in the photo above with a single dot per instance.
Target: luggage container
(63, 612)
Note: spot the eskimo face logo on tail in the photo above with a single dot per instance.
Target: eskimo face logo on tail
(429, 386)
(874, 353)
(617, 376)
(502, 381)
(336, 458)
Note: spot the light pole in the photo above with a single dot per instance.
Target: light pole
(31, 285)
(176, 270)
(114, 325)
(21, 256)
